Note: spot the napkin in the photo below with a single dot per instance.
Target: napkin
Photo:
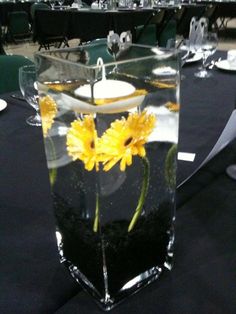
(197, 30)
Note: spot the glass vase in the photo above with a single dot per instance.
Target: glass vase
(110, 127)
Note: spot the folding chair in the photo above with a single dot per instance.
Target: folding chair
(18, 26)
(9, 68)
(38, 6)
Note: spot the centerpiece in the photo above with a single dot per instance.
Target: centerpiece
(110, 129)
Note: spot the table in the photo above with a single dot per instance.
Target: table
(83, 23)
(224, 11)
(204, 97)
(88, 24)
(202, 280)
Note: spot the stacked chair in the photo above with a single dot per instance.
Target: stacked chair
(157, 30)
(18, 26)
(9, 68)
(38, 6)
(2, 50)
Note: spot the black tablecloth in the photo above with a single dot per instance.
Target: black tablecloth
(203, 278)
(224, 9)
(89, 24)
(206, 105)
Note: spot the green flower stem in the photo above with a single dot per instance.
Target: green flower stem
(53, 171)
(96, 219)
(170, 171)
(144, 190)
(52, 176)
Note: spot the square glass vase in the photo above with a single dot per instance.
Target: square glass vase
(110, 127)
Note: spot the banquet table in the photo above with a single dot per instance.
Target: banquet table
(32, 280)
(83, 23)
(224, 9)
(88, 24)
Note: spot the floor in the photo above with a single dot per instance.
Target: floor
(29, 48)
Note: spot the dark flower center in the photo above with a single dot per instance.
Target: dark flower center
(128, 141)
(92, 145)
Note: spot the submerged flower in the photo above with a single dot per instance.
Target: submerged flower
(82, 141)
(48, 110)
(124, 139)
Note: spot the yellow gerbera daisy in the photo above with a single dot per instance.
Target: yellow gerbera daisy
(124, 139)
(82, 141)
(48, 110)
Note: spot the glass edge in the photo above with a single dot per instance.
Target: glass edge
(172, 51)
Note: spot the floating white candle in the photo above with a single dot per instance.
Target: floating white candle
(106, 89)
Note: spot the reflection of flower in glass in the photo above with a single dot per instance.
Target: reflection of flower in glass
(48, 110)
(124, 139)
(172, 106)
(137, 93)
(162, 84)
(82, 141)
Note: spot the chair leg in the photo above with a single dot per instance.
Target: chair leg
(11, 37)
(66, 42)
